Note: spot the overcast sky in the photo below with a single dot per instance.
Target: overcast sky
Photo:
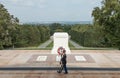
(51, 10)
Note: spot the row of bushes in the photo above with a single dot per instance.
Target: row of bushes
(31, 35)
(87, 35)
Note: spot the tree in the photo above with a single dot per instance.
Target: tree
(14, 35)
(108, 17)
(5, 21)
(55, 27)
(8, 28)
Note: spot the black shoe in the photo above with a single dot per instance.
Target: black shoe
(58, 72)
(66, 73)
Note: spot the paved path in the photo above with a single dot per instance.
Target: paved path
(45, 44)
(102, 59)
(75, 44)
(94, 58)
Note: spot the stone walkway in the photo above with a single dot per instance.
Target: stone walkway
(45, 44)
(75, 44)
(95, 58)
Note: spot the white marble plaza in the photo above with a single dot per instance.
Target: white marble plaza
(80, 58)
(41, 58)
(90, 58)
(58, 58)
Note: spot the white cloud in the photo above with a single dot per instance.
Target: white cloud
(94, 2)
(28, 3)
(14, 1)
(51, 9)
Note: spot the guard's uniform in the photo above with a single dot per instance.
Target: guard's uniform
(63, 65)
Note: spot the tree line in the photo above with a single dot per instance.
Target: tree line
(87, 35)
(12, 34)
(31, 35)
(105, 31)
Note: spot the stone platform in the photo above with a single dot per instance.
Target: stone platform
(78, 58)
(43, 58)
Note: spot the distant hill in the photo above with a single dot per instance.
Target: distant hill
(74, 22)
(62, 22)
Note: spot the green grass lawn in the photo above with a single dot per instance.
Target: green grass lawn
(49, 47)
(93, 48)
(70, 45)
(32, 48)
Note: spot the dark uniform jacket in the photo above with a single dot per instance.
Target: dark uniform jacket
(63, 59)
